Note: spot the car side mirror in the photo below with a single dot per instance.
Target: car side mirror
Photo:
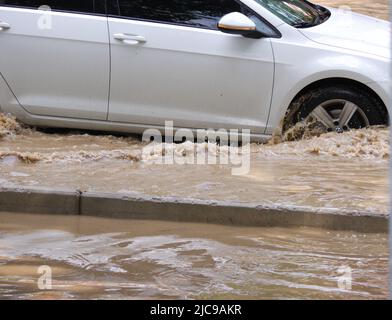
(238, 23)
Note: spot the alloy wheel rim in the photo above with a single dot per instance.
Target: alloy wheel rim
(340, 115)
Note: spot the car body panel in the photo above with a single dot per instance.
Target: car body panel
(202, 90)
(61, 69)
(354, 31)
(219, 80)
(322, 62)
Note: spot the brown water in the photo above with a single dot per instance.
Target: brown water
(375, 8)
(333, 172)
(99, 258)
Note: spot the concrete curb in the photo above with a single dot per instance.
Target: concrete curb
(45, 201)
(39, 200)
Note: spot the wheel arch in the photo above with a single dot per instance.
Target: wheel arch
(337, 81)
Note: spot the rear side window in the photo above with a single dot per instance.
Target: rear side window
(83, 6)
(196, 13)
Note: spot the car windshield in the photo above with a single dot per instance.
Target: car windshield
(297, 13)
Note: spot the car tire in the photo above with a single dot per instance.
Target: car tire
(338, 108)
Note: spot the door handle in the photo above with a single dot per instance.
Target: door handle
(130, 39)
(4, 26)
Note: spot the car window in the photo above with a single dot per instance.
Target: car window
(298, 13)
(84, 6)
(195, 13)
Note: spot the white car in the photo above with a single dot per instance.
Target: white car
(129, 65)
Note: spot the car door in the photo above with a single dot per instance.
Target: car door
(170, 62)
(55, 58)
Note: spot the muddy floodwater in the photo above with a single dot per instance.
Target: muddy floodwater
(376, 8)
(333, 172)
(99, 258)
(330, 172)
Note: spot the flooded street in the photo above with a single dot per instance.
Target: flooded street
(331, 172)
(338, 172)
(99, 258)
(96, 258)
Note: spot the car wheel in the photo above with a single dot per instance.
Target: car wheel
(338, 109)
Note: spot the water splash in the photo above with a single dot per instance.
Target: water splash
(304, 140)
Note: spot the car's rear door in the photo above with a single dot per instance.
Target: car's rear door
(170, 62)
(56, 58)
